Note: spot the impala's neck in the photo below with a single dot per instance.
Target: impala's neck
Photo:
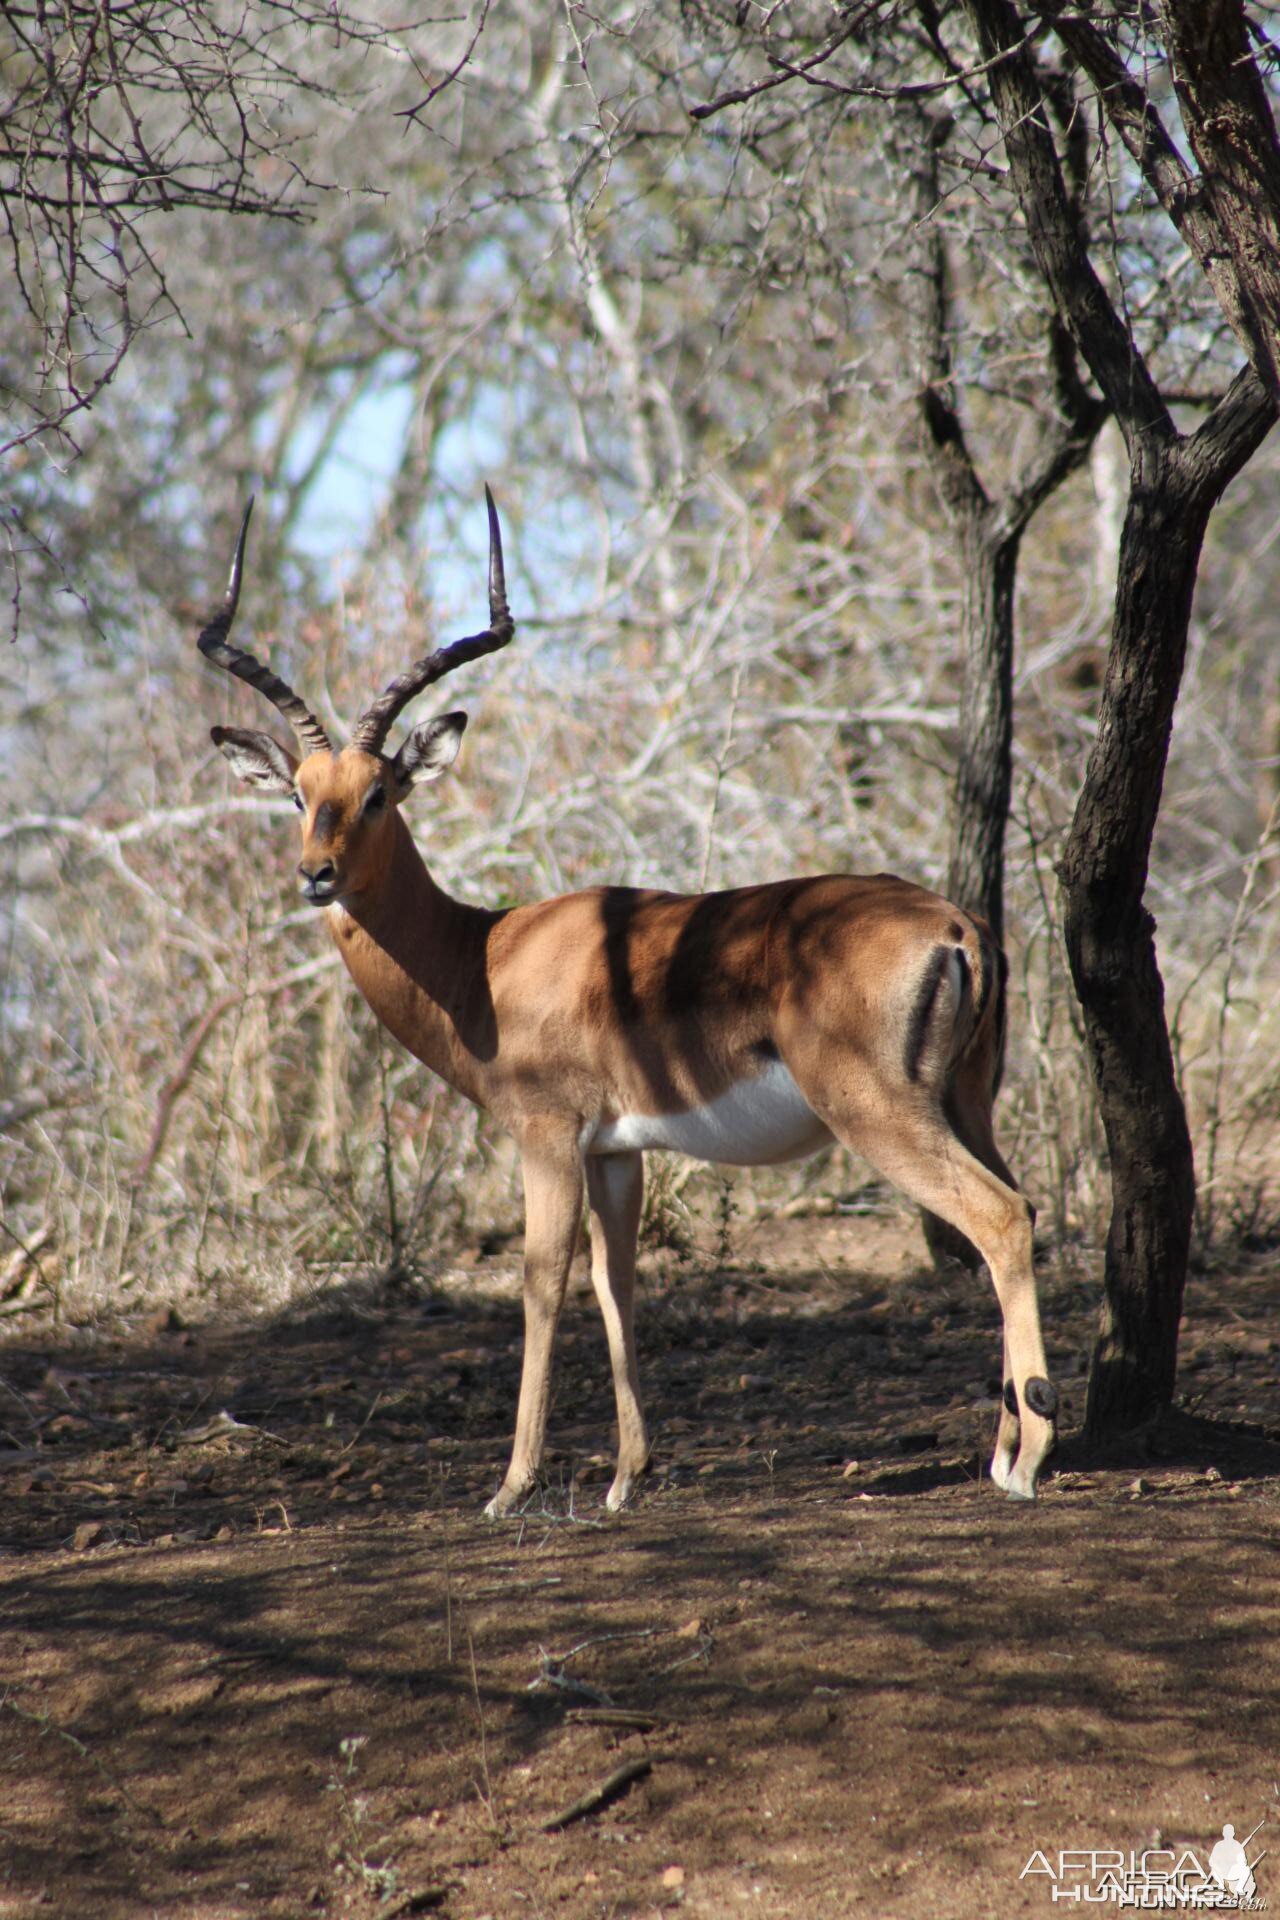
(418, 957)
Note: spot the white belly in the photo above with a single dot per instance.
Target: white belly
(755, 1123)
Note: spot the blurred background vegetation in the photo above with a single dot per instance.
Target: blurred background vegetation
(360, 267)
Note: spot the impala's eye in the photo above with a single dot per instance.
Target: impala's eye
(376, 801)
(299, 803)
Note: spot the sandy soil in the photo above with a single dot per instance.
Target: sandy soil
(260, 1656)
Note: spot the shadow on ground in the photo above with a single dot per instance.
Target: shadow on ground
(262, 1657)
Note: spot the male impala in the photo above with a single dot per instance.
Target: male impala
(744, 1027)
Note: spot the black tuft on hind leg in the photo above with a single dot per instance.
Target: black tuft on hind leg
(1041, 1396)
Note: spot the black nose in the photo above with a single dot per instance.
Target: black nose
(317, 883)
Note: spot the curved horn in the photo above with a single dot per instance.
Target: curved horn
(214, 645)
(371, 729)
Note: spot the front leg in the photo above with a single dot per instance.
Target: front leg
(552, 1216)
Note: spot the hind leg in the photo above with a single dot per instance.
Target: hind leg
(925, 1157)
(1009, 1432)
(967, 1106)
(615, 1190)
(968, 1111)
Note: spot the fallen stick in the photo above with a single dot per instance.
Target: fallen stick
(597, 1797)
(613, 1717)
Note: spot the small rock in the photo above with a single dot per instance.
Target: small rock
(673, 1877)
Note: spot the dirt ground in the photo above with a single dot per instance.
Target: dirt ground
(261, 1656)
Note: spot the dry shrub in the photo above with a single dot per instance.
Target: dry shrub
(199, 1107)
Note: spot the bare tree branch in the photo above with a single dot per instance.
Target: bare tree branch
(117, 115)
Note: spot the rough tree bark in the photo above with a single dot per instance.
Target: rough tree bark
(1174, 483)
(984, 753)
(1231, 133)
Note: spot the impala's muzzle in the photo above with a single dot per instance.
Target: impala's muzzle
(318, 885)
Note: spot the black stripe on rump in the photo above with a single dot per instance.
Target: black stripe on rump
(966, 979)
(922, 1012)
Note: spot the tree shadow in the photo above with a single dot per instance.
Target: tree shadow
(319, 1574)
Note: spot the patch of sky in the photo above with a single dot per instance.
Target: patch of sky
(554, 540)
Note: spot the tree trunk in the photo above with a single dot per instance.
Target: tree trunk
(1174, 484)
(984, 769)
(1111, 949)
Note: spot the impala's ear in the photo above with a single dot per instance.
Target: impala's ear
(429, 750)
(259, 760)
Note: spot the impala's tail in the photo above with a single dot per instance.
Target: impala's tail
(990, 999)
(957, 1020)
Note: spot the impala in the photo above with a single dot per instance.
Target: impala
(744, 1027)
